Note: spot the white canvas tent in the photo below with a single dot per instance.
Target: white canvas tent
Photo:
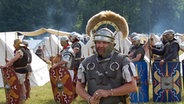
(40, 74)
(87, 48)
(52, 46)
(44, 30)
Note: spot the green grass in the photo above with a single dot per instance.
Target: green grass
(40, 95)
(43, 95)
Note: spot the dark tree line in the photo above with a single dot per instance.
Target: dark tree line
(143, 16)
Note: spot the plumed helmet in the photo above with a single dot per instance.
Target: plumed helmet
(64, 38)
(104, 34)
(107, 18)
(118, 24)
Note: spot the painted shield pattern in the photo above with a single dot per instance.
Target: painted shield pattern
(142, 94)
(11, 85)
(62, 85)
(166, 82)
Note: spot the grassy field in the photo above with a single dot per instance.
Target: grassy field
(43, 95)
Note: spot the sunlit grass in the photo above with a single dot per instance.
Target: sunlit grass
(40, 95)
(43, 95)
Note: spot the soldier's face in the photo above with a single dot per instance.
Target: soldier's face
(101, 47)
(133, 42)
(169, 36)
(63, 43)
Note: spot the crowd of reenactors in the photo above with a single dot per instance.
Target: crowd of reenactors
(168, 45)
(109, 75)
(166, 53)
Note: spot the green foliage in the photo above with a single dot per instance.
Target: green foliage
(78, 23)
(72, 15)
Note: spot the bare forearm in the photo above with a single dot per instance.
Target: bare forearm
(9, 63)
(138, 57)
(135, 60)
(81, 91)
(60, 63)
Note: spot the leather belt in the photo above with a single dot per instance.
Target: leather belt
(21, 67)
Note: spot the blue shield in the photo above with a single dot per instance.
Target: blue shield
(166, 82)
(142, 94)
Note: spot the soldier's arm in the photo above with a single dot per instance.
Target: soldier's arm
(140, 53)
(137, 58)
(58, 64)
(81, 84)
(66, 57)
(81, 91)
(174, 52)
(129, 75)
(18, 55)
(130, 54)
(158, 51)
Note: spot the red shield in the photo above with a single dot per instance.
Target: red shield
(11, 85)
(62, 85)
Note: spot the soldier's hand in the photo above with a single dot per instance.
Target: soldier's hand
(104, 93)
(161, 62)
(97, 95)
(94, 101)
(6, 60)
(54, 66)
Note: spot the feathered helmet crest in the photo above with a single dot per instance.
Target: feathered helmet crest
(107, 18)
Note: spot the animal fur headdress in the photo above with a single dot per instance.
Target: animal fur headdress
(107, 17)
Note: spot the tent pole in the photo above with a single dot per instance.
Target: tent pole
(5, 49)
